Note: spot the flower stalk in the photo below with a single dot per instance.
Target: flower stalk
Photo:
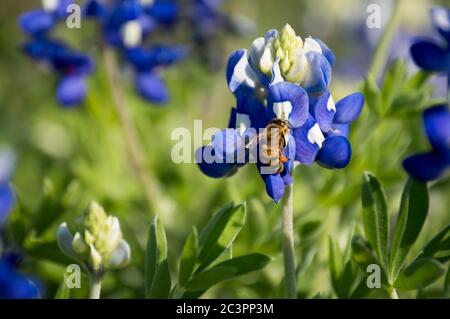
(381, 53)
(135, 152)
(290, 276)
(95, 286)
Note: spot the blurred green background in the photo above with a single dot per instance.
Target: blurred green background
(78, 155)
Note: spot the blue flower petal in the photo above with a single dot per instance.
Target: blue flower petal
(437, 126)
(288, 97)
(339, 130)
(14, 285)
(227, 143)
(61, 10)
(94, 8)
(326, 52)
(426, 166)
(151, 87)
(248, 103)
(335, 152)
(349, 108)
(212, 166)
(36, 22)
(239, 71)
(306, 148)
(71, 90)
(165, 12)
(274, 186)
(440, 17)
(323, 114)
(318, 74)
(146, 59)
(429, 56)
(6, 202)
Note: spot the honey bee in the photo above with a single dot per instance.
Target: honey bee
(272, 142)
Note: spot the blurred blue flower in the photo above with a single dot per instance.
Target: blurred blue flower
(7, 200)
(432, 165)
(14, 285)
(71, 66)
(39, 21)
(430, 54)
(147, 63)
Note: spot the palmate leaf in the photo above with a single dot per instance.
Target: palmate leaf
(227, 270)
(157, 274)
(219, 233)
(372, 94)
(375, 217)
(419, 274)
(410, 220)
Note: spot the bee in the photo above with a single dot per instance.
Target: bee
(272, 141)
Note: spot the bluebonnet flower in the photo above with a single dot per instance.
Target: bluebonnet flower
(296, 91)
(431, 165)
(6, 194)
(39, 21)
(430, 54)
(71, 66)
(12, 284)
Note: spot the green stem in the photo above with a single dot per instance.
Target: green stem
(290, 277)
(135, 152)
(392, 293)
(95, 286)
(381, 53)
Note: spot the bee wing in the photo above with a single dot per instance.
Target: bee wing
(252, 142)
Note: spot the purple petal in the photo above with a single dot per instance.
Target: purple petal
(239, 71)
(274, 186)
(429, 56)
(306, 149)
(326, 52)
(318, 76)
(71, 90)
(210, 165)
(6, 202)
(151, 87)
(226, 144)
(335, 152)
(291, 97)
(36, 21)
(440, 16)
(426, 166)
(323, 113)
(339, 130)
(437, 126)
(349, 108)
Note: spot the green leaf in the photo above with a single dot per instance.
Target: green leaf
(157, 274)
(447, 284)
(439, 246)
(227, 270)
(363, 255)
(372, 94)
(188, 258)
(48, 210)
(393, 82)
(334, 263)
(47, 251)
(219, 233)
(419, 274)
(209, 278)
(375, 216)
(410, 220)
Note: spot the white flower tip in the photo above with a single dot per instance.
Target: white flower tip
(50, 5)
(315, 135)
(311, 45)
(331, 106)
(132, 34)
